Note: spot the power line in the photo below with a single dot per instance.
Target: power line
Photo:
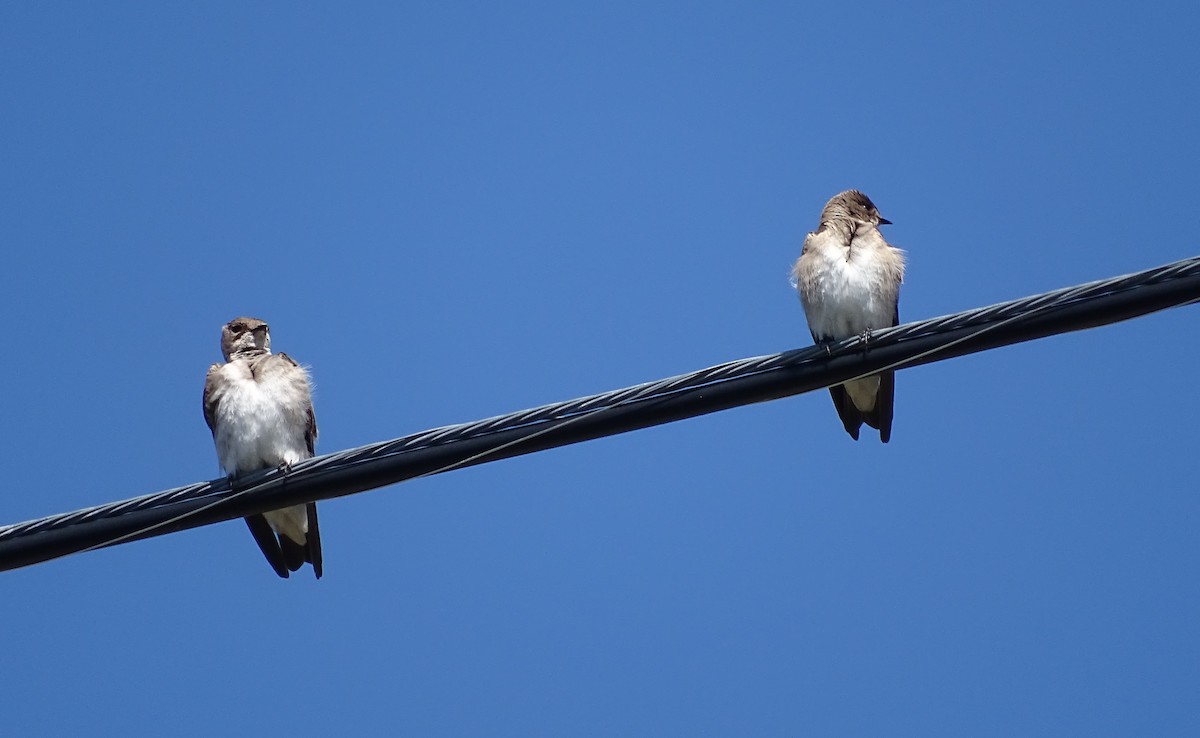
(721, 387)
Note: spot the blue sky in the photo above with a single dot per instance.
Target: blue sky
(451, 211)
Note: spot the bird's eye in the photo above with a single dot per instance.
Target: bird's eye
(237, 327)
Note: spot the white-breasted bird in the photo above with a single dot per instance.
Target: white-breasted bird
(849, 279)
(258, 406)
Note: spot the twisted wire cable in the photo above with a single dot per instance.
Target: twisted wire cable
(732, 384)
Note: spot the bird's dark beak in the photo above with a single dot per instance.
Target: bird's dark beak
(884, 221)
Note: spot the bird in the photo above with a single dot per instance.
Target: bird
(849, 279)
(259, 408)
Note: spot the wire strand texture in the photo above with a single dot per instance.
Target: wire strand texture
(732, 384)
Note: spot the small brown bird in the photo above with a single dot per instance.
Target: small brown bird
(258, 406)
(849, 280)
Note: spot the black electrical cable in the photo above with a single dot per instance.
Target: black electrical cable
(709, 390)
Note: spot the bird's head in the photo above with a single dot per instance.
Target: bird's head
(854, 206)
(245, 337)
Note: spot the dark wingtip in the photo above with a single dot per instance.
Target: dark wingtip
(314, 555)
(885, 405)
(851, 418)
(267, 543)
(293, 553)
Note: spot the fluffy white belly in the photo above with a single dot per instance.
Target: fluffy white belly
(847, 300)
(253, 432)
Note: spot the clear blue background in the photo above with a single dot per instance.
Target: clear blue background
(451, 211)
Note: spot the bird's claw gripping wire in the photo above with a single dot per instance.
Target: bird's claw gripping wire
(864, 337)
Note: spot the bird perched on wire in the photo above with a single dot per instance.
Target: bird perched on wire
(849, 278)
(258, 406)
